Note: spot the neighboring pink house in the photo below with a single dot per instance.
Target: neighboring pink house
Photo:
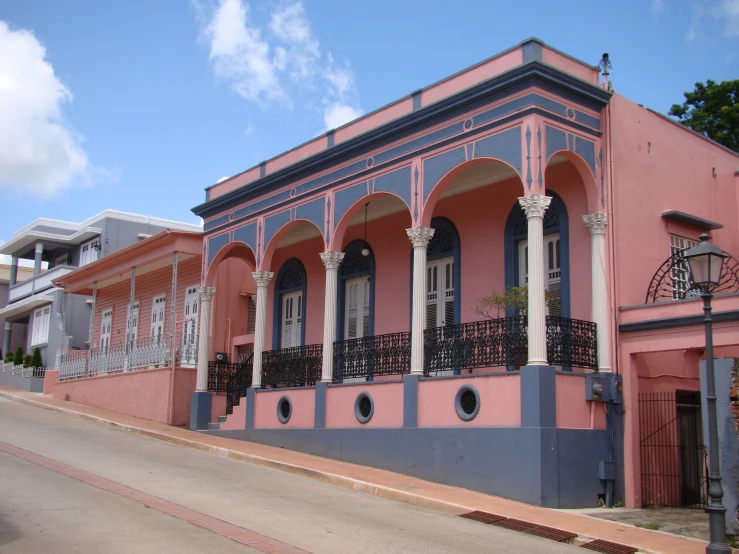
(143, 330)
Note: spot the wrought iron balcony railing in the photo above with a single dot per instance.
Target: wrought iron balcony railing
(504, 342)
(299, 366)
(73, 364)
(368, 356)
(219, 374)
(187, 350)
(239, 382)
(148, 352)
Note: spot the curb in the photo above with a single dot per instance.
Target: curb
(342, 481)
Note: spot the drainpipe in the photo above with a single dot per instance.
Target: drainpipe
(173, 349)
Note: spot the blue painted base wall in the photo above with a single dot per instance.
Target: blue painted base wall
(555, 468)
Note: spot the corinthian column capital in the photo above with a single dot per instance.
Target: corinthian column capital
(535, 205)
(596, 223)
(331, 259)
(262, 278)
(420, 236)
(206, 293)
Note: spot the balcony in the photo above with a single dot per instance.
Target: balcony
(299, 366)
(144, 353)
(39, 283)
(502, 342)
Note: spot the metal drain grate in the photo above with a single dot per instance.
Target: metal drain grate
(515, 525)
(599, 545)
(483, 517)
(551, 533)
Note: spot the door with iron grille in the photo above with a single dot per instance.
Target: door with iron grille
(673, 457)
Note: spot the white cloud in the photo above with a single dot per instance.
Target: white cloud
(39, 152)
(335, 115)
(725, 12)
(261, 64)
(240, 55)
(658, 6)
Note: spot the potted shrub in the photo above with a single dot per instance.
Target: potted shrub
(18, 358)
(36, 360)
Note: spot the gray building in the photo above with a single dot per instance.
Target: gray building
(45, 317)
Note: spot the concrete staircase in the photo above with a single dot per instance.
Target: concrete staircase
(231, 422)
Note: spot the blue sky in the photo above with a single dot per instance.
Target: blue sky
(140, 105)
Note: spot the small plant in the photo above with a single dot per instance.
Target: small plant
(36, 360)
(18, 358)
(652, 526)
(618, 505)
(66, 397)
(733, 540)
(9, 358)
(601, 502)
(513, 299)
(27, 360)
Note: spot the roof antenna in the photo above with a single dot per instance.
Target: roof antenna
(605, 66)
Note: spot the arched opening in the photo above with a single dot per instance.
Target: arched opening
(234, 305)
(299, 230)
(370, 208)
(289, 305)
(556, 253)
(356, 292)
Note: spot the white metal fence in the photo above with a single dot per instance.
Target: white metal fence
(145, 353)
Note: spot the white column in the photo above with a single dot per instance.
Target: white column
(420, 237)
(262, 278)
(37, 259)
(13, 270)
(331, 260)
(535, 206)
(206, 295)
(597, 224)
(172, 311)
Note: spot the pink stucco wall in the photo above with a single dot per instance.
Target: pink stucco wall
(303, 412)
(143, 394)
(500, 401)
(573, 411)
(387, 398)
(51, 378)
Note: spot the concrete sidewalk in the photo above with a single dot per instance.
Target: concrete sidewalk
(381, 483)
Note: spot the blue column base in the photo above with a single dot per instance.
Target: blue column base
(200, 405)
(410, 401)
(251, 397)
(320, 410)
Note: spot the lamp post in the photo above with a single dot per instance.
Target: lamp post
(706, 261)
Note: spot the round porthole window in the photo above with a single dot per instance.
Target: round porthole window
(364, 407)
(284, 409)
(467, 403)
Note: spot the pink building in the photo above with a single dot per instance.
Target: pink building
(340, 283)
(143, 330)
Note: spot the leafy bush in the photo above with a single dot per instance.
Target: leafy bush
(514, 298)
(27, 360)
(18, 358)
(36, 360)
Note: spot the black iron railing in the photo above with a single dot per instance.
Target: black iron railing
(367, 356)
(239, 382)
(572, 342)
(299, 366)
(486, 343)
(504, 342)
(219, 373)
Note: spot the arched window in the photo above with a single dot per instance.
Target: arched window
(290, 288)
(556, 253)
(442, 275)
(356, 292)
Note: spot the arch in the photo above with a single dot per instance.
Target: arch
(291, 277)
(382, 199)
(501, 170)
(355, 265)
(290, 228)
(594, 194)
(235, 249)
(556, 220)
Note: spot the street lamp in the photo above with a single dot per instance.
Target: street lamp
(706, 261)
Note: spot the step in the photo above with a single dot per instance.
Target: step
(222, 418)
(214, 426)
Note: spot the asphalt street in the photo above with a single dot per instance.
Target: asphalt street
(43, 510)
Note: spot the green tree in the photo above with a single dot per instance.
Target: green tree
(18, 358)
(712, 110)
(36, 360)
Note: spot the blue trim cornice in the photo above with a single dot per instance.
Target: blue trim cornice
(534, 74)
